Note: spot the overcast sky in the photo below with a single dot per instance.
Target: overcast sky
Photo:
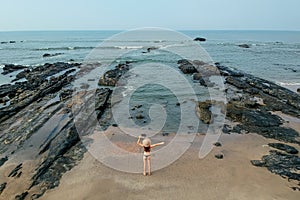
(128, 14)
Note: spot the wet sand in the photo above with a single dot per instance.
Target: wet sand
(232, 177)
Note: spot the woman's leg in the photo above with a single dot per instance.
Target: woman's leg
(149, 165)
(144, 158)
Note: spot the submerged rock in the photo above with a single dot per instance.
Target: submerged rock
(51, 55)
(244, 45)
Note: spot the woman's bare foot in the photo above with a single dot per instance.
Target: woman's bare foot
(144, 173)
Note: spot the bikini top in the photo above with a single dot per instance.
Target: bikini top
(147, 149)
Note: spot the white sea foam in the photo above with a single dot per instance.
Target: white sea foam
(128, 47)
(173, 45)
(287, 83)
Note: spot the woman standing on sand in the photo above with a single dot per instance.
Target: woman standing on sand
(147, 156)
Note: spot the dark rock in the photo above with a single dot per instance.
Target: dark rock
(151, 48)
(4, 42)
(3, 160)
(258, 163)
(138, 106)
(296, 188)
(165, 134)
(21, 196)
(291, 69)
(226, 129)
(282, 164)
(200, 39)
(65, 94)
(51, 55)
(298, 90)
(218, 144)
(38, 86)
(11, 68)
(177, 104)
(115, 125)
(219, 156)
(284, 147)
(251, 117)
(226, 71)
(203, 82)
(101, 98)
(12, 41)
(111, 77)
(14, 172)
(139, 116)
(36, 196)
(2, 187)
(203, 111)
(197, 76)
(188, 69)
(19, 174)
(237, 129)
(237, 82)
(261, 122)
(184, 62)
(46, 55)
(244, 45)
(56, 162)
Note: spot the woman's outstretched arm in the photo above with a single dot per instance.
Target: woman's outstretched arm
(139, 141)
(157, 144)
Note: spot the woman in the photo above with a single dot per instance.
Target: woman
(147, 155)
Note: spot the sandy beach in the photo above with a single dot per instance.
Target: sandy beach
(232, 177)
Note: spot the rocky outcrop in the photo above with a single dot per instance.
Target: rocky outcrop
(203, 111)
(3, 160)
(9, 68)
(284, 147)
(188, 68)
(51, 54)
(111, 77)
(285, 165)
(244, 46)
(200, 39)
(2, 187)
(34, 104)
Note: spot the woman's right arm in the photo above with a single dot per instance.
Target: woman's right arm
(139, 141)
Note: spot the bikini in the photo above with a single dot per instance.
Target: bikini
(147, 149)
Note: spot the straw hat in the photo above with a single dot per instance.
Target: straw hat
(146, 142)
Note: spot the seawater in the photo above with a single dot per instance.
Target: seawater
(273, 55)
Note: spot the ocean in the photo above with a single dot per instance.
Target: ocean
(273, 55)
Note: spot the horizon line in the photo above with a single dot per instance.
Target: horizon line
(57, 30)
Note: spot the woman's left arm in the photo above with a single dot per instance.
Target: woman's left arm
(157, 144)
